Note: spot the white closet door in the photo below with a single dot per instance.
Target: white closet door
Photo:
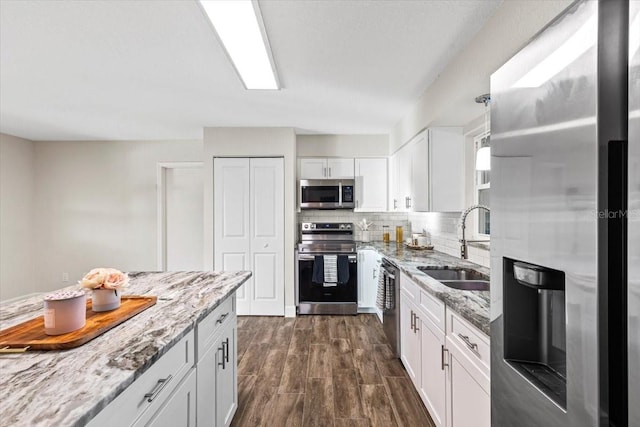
(267, 235)
(232, 242)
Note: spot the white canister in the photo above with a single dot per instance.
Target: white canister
(64, 312)
(365, 235)
(105, 299)
(423, 241)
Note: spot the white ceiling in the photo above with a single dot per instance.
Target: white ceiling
(140, 70)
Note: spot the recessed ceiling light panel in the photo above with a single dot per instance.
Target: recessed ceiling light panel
(239, 27)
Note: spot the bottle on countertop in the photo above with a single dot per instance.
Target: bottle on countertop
(399, 234)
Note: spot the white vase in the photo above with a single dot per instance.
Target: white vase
(365, 235)
(105, 299)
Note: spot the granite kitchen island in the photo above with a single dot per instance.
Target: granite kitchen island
(71, 387)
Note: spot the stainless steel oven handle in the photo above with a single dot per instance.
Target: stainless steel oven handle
(312, 257)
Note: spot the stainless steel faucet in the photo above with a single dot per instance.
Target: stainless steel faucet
(463, 242)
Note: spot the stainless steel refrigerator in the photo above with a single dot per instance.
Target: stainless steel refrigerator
(565, 244)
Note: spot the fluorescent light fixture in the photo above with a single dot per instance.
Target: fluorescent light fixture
(483, 159)
(568, 52)
(238, 26)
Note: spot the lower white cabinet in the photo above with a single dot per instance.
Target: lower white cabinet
(446, 358)
(180, 408)
(148, 394)
(469, 374)
(194, 382)
(368, 274)
(217, 397)
(422, 349)
(433, 381)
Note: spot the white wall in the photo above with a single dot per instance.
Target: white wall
(449, 101)
(95, 205)
(255, 142)
(342, 145)
(16, 217)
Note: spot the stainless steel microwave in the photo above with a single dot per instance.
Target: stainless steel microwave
(327, 194)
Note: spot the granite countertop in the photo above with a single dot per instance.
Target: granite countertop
(70, 387)
(473, 306)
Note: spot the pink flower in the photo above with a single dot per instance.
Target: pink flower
(105, 278)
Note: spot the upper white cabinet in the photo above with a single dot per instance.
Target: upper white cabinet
(446, 169)
(428, 172)
(319, 168)
(371, 185)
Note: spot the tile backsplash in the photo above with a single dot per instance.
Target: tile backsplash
(443, 227)
(392, 219)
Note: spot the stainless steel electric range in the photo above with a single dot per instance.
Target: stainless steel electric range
(326, 269)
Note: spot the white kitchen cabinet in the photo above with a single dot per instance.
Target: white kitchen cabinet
(326, 168)
(446, 169)
(433, 382)
(428, 172)
(166, 382)
(368, 272)
(409, 340)
(469, 374)
(422, 349)
(371, 185)
(217, 393)
(226, 383)
(179, 409)
(249, 229)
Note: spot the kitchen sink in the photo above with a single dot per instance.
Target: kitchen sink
(464, 279)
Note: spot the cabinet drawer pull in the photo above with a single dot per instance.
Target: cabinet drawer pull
(324, 172)
(395, 204)
(221, 318)
(415, 323)
(226, 348)
(471, 345)
(161, 384)
(443, 358)
(329, 172)
(412, 320)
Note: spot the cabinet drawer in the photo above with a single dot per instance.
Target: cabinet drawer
(433, 307)
(409, 287)
(149, 392)
(213, 323)
(469, 340)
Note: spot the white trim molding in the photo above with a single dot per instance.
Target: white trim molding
(161, 170)
(289, 311)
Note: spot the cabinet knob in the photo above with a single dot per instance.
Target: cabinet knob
(266, 245)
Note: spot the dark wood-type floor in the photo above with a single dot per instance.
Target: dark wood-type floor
(322, 371)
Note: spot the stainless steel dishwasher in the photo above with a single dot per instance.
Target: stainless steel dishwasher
(391, 313)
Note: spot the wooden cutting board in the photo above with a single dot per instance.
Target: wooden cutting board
(29, 335)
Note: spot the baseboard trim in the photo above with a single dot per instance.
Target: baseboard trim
(366, 310)
(290, 311)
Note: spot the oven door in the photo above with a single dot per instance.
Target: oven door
(310, 292)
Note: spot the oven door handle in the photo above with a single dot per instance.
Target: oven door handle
(312, 257)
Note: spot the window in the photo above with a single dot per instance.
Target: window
(482, 186)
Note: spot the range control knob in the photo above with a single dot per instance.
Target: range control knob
(313, 226)
(348, 226)
(341, 226)
(305, 226)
